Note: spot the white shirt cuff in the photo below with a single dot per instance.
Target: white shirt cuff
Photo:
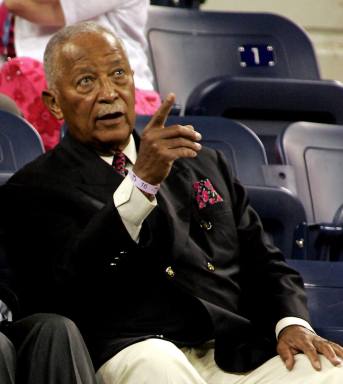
(287, 321)
(133, 207)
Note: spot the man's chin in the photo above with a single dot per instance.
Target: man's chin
(108, 142)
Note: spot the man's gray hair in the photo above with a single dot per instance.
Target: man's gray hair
(60, 38)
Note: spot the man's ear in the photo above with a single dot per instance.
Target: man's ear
(51, 101)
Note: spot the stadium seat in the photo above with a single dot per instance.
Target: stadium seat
(280, 212)
(241, 146)
(20, 143)
(268, 105)
(324, 288)
(188, 47)
(315, 151)
(9, 105)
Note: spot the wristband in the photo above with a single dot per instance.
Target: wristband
(143, 185)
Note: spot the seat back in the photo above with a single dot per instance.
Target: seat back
(315, 151)
(20, 143)
(324, 288)
(189, 46)
(9, 105)
(280, 212)
(241, 146)
(268, 105)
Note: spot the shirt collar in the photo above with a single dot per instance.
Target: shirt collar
(129, 151)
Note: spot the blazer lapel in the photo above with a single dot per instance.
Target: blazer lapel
(92, 175)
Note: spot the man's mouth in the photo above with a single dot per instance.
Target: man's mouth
(110, 116)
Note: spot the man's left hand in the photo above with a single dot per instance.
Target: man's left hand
(296, 339)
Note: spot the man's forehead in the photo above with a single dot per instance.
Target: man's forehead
(85, 43)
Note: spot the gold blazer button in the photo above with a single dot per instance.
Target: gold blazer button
(206, 225)
(210, 267)
(170, 272)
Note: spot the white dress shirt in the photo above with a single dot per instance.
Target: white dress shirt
(132, 204)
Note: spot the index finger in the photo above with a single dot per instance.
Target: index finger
(160, 116)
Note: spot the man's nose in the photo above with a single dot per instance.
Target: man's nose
(108, 92)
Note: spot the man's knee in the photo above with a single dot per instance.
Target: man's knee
(7, 360)
(158, 355)
(148, 360)
(6, 347)
(51, 324)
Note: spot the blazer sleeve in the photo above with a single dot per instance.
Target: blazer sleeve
(270, 286)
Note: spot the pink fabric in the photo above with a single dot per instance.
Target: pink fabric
(205, 193)
(23, 80)
(147, 102)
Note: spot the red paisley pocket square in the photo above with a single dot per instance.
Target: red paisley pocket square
(205, 193)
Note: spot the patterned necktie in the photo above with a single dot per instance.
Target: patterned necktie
(119, 162)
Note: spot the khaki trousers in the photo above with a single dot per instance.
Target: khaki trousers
(158, 361)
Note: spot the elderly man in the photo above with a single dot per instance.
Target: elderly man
(149, 244)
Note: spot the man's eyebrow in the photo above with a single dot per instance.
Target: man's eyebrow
(117, 61)
(83, 68)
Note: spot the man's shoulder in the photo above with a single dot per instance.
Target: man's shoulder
(208, 158)
(205, 155)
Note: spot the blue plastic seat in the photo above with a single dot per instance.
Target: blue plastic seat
(188, 47)
(268, 105)
(324, 288)
(9, 105)
(20, 143)
(280, 212)
(241, 146)
(315, 151)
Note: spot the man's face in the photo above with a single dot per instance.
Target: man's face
(94, 91)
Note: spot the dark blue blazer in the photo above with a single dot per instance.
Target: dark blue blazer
(73, 255)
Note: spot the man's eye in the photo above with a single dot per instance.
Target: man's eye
(85, 81)
(119, 73)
